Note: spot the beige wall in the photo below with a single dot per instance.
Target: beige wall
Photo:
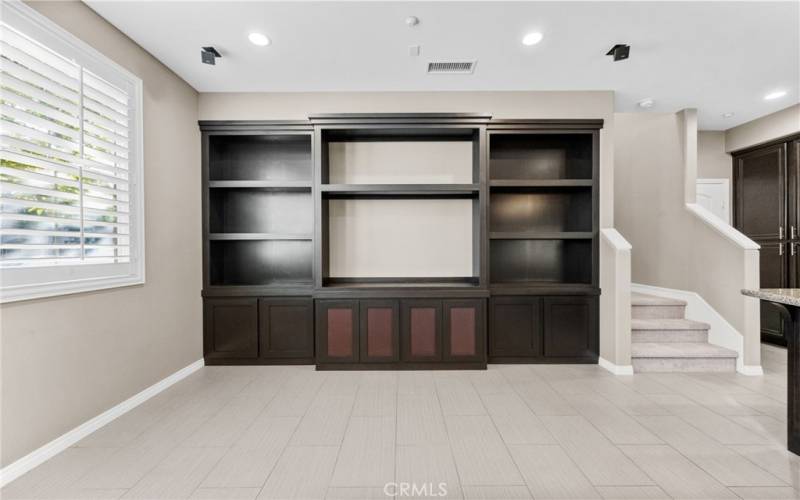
(655, 156)
(67, 359)
(712, 160)
(764, 129)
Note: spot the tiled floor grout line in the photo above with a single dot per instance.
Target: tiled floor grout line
(288, 441)
(447, 432)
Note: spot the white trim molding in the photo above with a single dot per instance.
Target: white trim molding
(61, 443)
(721, 333)
(615, 369)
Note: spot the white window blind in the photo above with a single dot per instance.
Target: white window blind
(69, 166)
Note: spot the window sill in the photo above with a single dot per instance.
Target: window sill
(45, 290)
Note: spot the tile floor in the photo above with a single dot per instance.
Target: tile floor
(511, 432)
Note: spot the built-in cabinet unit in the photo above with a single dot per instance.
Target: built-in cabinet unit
(766, 208)
(387, 241)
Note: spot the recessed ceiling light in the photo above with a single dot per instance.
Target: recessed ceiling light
(775, 95)
(258, 39)
(728, 115)
(532, 38)
(646, 103)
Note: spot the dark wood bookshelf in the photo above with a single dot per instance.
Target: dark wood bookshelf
(270, 296)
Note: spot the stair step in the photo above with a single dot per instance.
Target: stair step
(651, 307)
(681, 357)
(668, 330)
(641, 299)
(668, 324)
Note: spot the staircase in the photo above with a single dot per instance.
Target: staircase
(663, 340)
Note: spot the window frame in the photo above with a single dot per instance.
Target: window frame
(26, 283)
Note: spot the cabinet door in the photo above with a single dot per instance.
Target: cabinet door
(337, 331)
(773, 273)
(421, 327)
(570, 327)
(760, 192)
(230, 328)
(286, 328)
(464, 332)
(515, 327)
(379, 330)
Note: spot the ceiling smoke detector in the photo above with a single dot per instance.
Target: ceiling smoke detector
(646, 103)
(451, 67)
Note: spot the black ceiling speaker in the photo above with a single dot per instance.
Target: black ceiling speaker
(209, 55)
(620, 51)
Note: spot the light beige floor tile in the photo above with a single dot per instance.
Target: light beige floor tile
(249, 462)
(724, 464)
(296, 395)
(721, 428)
(632, 493)
(369, 493)
(56, 475)
(766, 493)
(511, 492)
(428, 467)
(542, 399)
(123, 430)
(224, 428)
(774, 428)
(515, 421)
(481, 456)
(616, 425)
(416, 383)
(490, 381)
(325, 421)
(225, 493)
(126, 467)
(602, 462)
(178, 475)
(457, 396)
(550, 473)
(776, 459)
(676, 474)
(367, 455)
(377, 395)
(303, 472)
(515, 374)
(420, 420)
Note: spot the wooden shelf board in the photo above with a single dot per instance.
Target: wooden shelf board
(257, 236)
(298, 185)
(400, 189)
(537, 235)
(520, 183)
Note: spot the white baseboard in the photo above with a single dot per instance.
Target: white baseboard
(615, 369)
(61, 443)
(721, 333)
(751, 370)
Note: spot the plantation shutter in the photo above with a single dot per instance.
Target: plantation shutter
(64, 160)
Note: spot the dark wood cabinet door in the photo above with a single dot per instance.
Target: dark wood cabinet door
(464, 330)
(286, 328)
(421, 330)
(793, 167)
(760, 191)
(230, 328)
(570, 327)
(773, 261)
(515, 327)
(379, 331)
(337, 331)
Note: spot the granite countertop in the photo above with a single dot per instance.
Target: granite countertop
(788, 296)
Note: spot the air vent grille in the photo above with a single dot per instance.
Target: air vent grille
(451, 67)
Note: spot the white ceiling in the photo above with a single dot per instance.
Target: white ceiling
(719, 57)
